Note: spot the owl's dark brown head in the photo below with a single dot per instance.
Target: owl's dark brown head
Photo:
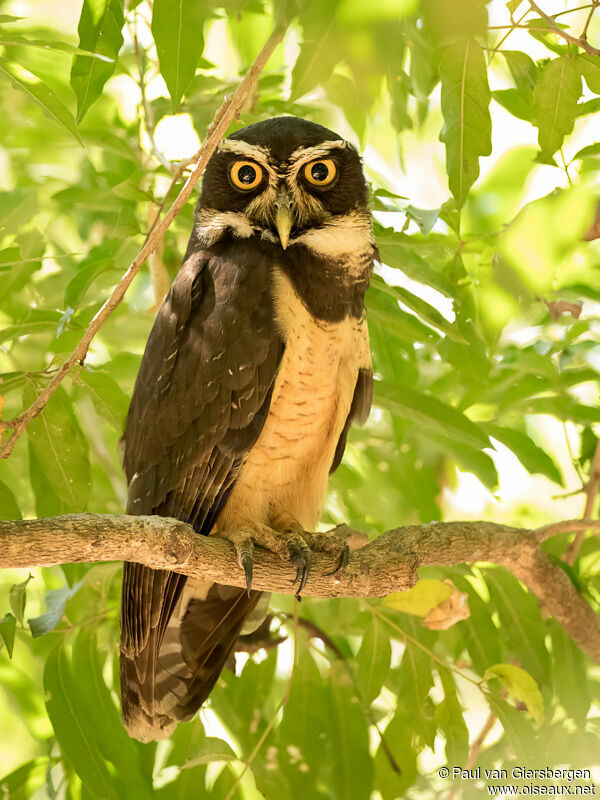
(283, 179)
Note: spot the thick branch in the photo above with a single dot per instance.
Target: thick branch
(215, 131)
(387, 564)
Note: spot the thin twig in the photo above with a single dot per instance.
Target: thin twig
(228, 111)
(579, 42)
(148, 116)
(475, 749)
(590, 490)
(583, 34)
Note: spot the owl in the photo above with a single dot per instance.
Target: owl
(256, 367)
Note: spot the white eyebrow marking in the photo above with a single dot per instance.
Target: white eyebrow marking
(303, 154)
(256, 152)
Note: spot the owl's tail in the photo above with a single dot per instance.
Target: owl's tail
(176, 636)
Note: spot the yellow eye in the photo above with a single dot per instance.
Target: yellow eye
(245, 175)
(320, 173)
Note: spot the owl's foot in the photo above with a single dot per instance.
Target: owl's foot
(287, 526)
(290, 541)
(288, 546)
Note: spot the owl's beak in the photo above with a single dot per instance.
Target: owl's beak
(284, 218)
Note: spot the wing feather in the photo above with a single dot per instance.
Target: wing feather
(200, 401)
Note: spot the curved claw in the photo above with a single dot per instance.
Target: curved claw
(247, 564)
(342, 561)
(302, 576)
(300, 558)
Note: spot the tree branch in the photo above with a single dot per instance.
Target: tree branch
(387, 564)
(579, 42)
(228, 111)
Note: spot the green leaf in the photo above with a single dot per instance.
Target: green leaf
(450, 719)
(522, 69)
(518, 729)
(555, 103)
(521, 623)
(531, 456)
(41, 94)
(514, 102)
(419, 600)
(60, 449)
(373, 661)
(9, 508)
(17, 597)
(590, 150)
(99, 29)
(400, 251)
(589, 66)
(49, 44)
(396, 764)
(348, 737)
(67, 708)
(424, 217)
(520, 685)
(569, 674)
(342, 91)
(430, 412)
(423, 309)
(415, 682)
(8, 626)
(109, 400)
(177, 26)
(305, 712)
(467, 127)
(207, 751)
(320, 49)
(103, 718)
(23, 783)
(56, 600)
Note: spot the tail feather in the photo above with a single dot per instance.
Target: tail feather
(171, 660)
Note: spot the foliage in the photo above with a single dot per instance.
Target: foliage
(482, 355)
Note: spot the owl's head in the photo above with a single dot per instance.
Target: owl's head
(288, 181)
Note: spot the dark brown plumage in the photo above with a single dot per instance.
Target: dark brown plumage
(225, 354)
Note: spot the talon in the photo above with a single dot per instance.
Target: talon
(343, 560)
(302, 576)
(247, 566)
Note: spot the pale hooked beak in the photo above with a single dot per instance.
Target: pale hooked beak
(284, 217)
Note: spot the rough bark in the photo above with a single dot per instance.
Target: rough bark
(389, 563)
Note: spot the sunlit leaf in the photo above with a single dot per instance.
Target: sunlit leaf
(18, 598)
(555, 103)
(590, 70)
(42, 94)
(465, 106)
(419, 600)
(177, 26)
(9, 508)
(60, 449)
(320, 49)
(450, 719)
(67, 706)
(55, 603)
(8, 627)
(531, 455)
(100, 26)
(520, 685)
(373, 660)
(429, 411)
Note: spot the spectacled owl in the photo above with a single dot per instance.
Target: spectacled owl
(256, 366)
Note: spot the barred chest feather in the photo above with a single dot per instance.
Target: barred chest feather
(288, 467)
